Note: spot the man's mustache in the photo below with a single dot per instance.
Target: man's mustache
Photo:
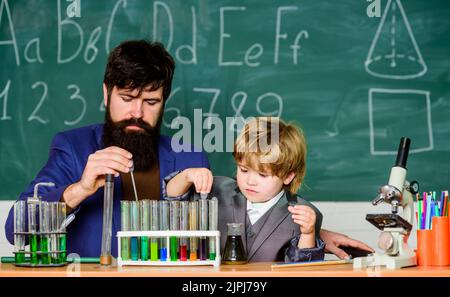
(134, 122)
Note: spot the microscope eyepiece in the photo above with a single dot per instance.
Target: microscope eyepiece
(402, 153)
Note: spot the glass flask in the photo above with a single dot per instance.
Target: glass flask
(234, 252)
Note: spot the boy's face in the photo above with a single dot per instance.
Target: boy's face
(258, 186)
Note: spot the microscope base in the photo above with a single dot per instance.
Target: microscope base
(391, 262)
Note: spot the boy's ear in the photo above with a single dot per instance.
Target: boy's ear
(289, 178)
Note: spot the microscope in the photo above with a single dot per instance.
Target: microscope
(395, 228)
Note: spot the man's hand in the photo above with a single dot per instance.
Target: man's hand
(333, 240)
(111, 160)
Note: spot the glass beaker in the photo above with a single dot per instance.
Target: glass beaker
(234, 252)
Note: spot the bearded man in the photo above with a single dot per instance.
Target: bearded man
(136, 85)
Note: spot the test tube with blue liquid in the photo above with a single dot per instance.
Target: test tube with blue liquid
(163, 226)
(144, 206)
(193, 225)
(203, 222)
(154, 225)
(134, 227)
(174, 225)
(184, 218)
(125, 226)
(213, 225)
(20, 208)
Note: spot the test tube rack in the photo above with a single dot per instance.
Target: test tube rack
(166, 235)
(55, 257)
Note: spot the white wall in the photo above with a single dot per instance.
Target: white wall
(344, 217)
(6, 249)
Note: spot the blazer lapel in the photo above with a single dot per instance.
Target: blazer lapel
(239, 212)
(276, 217)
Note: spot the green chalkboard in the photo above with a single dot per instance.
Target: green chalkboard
(355, 75)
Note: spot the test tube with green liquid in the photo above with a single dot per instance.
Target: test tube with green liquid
(174, 225)
(213, 209)
(203, 223)
(144, 206)
(154, 225)
(193, 225)
(33, 211)
(163, 225)
(184, 218)
(134, 227)
(20, 208)
(45, 227)
(125, 226)
(54, 227)
(61, 214)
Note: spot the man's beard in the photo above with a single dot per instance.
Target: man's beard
(142, 144)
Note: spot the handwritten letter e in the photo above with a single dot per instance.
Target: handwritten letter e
(74, 9)
(374, 8)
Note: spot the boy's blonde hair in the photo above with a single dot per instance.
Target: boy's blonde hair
(270, 145)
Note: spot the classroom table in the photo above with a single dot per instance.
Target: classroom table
(261, 269)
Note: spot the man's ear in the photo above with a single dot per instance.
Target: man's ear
(289, 178)
(105, 95)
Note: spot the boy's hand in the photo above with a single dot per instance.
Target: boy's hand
(202, 179)
(305, 217)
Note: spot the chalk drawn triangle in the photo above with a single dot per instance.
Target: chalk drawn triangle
(394, 53)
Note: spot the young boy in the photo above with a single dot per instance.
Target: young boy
(270, 170)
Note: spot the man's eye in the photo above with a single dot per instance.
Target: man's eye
(126, 99)
(151, 102)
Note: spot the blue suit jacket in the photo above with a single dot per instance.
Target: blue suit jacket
(68, 156)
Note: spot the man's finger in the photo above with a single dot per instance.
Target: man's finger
(118, 150)
(359, 245)
(337, 251)
(112, 156)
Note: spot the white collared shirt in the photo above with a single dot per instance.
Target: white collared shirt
(257, 210)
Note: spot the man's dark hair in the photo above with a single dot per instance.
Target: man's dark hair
(138, 64)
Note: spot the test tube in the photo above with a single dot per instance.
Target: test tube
(213, 222)
(19, 226)
(125, 226)
(54, 227)
(164, 225)
(193, 225)
(33, 211)
(108, 198)
(174, 225)
(203, 222)
(134, 227)
(61, 213)
(145, 226)
(45, 227)
(184, 218)
(154, 224)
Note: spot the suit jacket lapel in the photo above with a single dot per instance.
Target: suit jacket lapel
(276, 217)
(239, 213)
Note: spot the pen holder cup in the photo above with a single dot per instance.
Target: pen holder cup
(424, 247)
(441, 244)
(433, 246)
